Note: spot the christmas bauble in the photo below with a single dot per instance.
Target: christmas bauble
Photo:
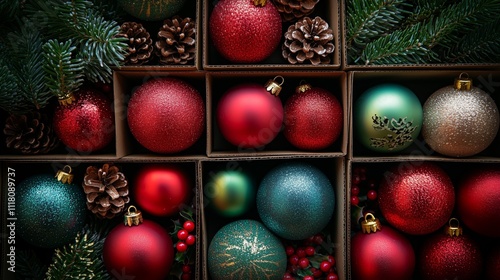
(478, 201)
(387, 118)
(381, 253)
(151, 10)
(87, 124)
(493, 263)
(246, 249)
(139, 249)
(49, 212)
(248, 116)
(230, 193)
(460, 120)
(295, 200)
(449, 255)
(417, 198)
(161, 190)
(243, 31)
(166, 115)
(313, 118)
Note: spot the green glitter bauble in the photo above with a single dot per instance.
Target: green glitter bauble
(246, 249)
(151, 10)
(232, 193)
(49, 213)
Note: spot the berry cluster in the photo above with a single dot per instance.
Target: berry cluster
(306, 262)
(184, 237)
(360, 181)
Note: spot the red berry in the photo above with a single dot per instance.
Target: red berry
(332, 276)
(186, 268)
(316, 273)
(181, 246)
(303, 263)
(190, 240)
(355, 190)
(354, 200)
(308, 277)
(294, 259)
(186, 276)
(310, 250)
(372, 194)
(289, 250)
(301, 252)
(331, 259)
(318, 239)
(188, 225)
(325, 266)
(287, 276)
(182, 234)
(292, 269)
(356, 179)
(371, 184)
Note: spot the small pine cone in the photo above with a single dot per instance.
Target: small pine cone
(106, 190)
(140, 44)
(31, 133)
(308, 39)
(176, 41)
(291, 10)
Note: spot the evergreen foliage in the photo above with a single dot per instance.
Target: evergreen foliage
(29, 266)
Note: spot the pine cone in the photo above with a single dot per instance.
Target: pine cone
(308, 39)
(291, 10)
(176, 41)
(31, 133)
(140, 44)
(106, 190)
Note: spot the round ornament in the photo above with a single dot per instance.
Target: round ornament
(249, 116)
(161, 190)
(387, 118)
(493, 263)
(295, 200)
(139, 248)
(313, 118)
(478, 201)
(231, 193)
(166, 115)
(246, 249)
(151, 10)
(450, 255)
(245, 31)
(380, 253)
(50, 212)
(460, 120)
(85, 121)
(417, 199)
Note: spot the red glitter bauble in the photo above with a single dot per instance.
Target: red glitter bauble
(382, 255)
(313, 119)
(478, 201)
(166, 115)
(87, 124)
(249, 117)
(161, 190)
(139, 252)
(243, 32)
(493, 264)
(417, 197)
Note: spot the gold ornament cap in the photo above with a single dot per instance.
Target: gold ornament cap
(66, 99)
(463, 82)
(273, 87)
(64, 176)
(303, 87)
(261, 3)
(370, 224)
(133, 217)
(453, 228)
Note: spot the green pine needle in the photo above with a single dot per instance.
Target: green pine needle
(29, 266)
(424, 9)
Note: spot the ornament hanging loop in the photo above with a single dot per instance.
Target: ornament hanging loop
(370, 224)
(133, 217)
(463, 82)
(64, 176)
(273, 87)
(453, 228)
(303, 87)
(66, 99)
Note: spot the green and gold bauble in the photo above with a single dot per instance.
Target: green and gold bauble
(152, 10)
(387, 118)
(246, 249)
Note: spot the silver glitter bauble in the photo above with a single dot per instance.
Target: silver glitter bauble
(460, 120)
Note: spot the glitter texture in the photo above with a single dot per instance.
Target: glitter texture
(295, 200)
(460, 123)
(49, 213)
(245, 249)
(417, 199)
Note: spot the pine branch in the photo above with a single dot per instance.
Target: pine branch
(9, 100)
(29, 266)
(10, 9)
(110, 10)
(424, 9)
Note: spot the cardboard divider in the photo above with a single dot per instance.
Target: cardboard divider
(218, 83)
(333, 168)
(328, 10)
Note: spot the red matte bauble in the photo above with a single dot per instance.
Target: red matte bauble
(166, 115)
(382, 255)
(140, 252)
(249, 117)
(478, 201)
(313, 119)
(162, 190)
(493, 264)
(449, 257)
(417, 197)
(88, 123)
(243, 32)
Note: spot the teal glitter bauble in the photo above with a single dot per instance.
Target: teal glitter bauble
(246, 249)
(387, 118)
(230, 193)
(49, 213)
(295, 200)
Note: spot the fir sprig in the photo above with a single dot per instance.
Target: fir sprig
(29, 266)
(423, 10)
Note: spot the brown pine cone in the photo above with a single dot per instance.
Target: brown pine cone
(176, 41)
(140, 44)
(31, 133)
(106, 190)
(308, 39)
(291, 10)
